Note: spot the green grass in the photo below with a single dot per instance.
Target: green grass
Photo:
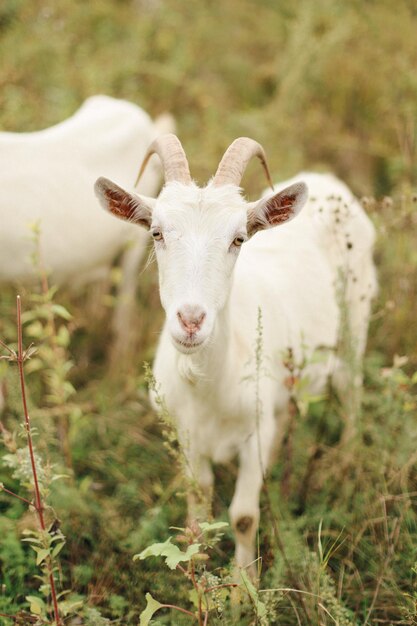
(326, 85)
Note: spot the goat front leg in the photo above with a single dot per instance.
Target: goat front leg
(347, 380)
(199, 488)
(123, 322)
(3, 394)
(254, 458)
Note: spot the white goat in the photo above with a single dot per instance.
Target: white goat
(215, 274)
(77, 240)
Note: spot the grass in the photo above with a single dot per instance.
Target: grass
(323, 85)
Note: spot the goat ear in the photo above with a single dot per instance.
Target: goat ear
(126, 206)
(277, 209)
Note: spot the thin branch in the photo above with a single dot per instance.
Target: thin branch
(12, 493)
(6, 347)
(9, 350)
(294, 606)
(292, 590)
(177, 608)
(327, 612)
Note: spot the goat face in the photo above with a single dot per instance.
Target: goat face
(198, 234)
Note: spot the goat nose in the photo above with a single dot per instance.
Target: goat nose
(191, 317)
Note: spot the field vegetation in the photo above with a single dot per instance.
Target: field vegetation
(323, 85)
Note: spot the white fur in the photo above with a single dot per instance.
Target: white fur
(47, 177)
(290, 273)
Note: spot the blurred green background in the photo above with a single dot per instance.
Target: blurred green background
(329, 83)
(324, 85)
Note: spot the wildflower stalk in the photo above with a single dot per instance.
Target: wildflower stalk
(259, 370)
(38, 499)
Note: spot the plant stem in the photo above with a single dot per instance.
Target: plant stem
(11, 493)
(14, 617)
(221, 587)
(198, 590)
(177, 608)
(9, 350)
(38, 499)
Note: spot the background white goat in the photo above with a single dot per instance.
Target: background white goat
(78, 241)
(216, 271)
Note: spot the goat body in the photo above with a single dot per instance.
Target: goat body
(38, 171)
(77, 241)
(290, 274)
(225, 399)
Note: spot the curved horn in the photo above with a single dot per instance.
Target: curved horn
(235, 160)
(170, 151)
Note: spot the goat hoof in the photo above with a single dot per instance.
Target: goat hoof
(244, 524)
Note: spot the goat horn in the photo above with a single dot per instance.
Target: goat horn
(170, 151)
(235, 160)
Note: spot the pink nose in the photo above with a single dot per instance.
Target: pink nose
(191, 317)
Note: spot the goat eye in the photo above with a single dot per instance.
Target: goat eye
(157, 235)
(237, 241)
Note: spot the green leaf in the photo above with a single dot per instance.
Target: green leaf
(260, 607)
(42, 554)
(34, 365)
(63, 337)
(59, 477)
(61, 311)
(58, 548)
(35, 329)
(173, 555)
(151, 607)
(156, 549)
(194, 597)
(67, 607)
(37, 605)
(207, 527)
